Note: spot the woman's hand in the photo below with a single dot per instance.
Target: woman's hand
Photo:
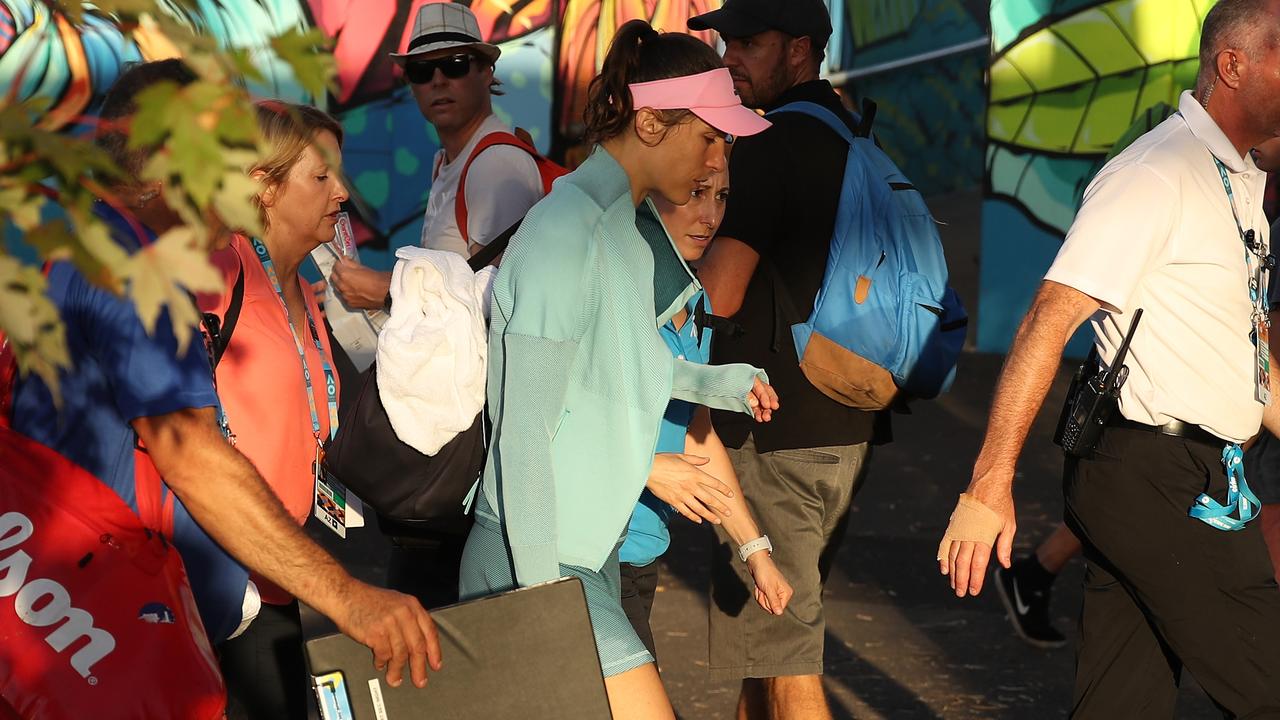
(762, 400)
(360, 287)
(676, 480)
(773, 592)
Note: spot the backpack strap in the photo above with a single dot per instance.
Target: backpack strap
(220, 331)
(155, 500)
(486, 142)
(722, 326)
(493, 249)
(832, 120)
(868, 118)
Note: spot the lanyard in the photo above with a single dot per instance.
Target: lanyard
(1241, 503)
(331, 387)
(1240, 499)
(1254, 254)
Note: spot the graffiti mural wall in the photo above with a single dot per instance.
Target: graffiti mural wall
(930, 112)
(1067, 79)
(389, 146)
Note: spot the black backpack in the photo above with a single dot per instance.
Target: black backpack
(415, 495)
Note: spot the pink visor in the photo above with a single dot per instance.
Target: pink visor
(708, 95)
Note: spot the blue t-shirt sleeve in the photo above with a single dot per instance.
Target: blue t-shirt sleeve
(147, 375)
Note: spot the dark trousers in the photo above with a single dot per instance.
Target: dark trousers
(426, 568)
(1163, 591)
(264, 669)
(639, 585)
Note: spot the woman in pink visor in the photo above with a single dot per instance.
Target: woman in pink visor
(579, 377)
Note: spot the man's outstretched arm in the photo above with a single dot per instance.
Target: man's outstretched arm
(227, 496)
(1024, 382)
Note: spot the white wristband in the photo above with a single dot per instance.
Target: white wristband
(761, 543)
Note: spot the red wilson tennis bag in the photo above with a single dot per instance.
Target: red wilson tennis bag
(97, 618)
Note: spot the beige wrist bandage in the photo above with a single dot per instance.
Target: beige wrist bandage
(971, 521)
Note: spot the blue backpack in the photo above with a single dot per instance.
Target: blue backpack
(885, 326)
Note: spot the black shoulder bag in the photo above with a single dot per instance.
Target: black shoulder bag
(414, 494)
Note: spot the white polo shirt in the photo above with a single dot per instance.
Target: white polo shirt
(502, 184)
(1156, 232)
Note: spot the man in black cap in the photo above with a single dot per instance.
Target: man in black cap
(799, 472)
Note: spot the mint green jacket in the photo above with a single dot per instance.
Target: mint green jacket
(578, 375)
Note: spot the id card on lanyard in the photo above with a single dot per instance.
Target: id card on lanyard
(332, 504)
(1258, 267)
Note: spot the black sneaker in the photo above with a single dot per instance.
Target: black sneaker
(1028, 609)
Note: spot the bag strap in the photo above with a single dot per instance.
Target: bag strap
(486, 142)
(723, 326)
(496, 247)
(230, 318)
(155, 501)
(816, 111)
(868, 118)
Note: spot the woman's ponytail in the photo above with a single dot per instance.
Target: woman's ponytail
(639, 53)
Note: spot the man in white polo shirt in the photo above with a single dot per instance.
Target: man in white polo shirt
(451, 74)
(1173, 226)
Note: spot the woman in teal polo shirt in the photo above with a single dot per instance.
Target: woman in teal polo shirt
(712, 486)
(578, 375)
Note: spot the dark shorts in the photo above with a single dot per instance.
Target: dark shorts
(800, 499)
(639, 585)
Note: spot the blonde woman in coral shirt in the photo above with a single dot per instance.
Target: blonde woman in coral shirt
(263, 386)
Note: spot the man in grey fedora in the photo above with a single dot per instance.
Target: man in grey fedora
(450, 70)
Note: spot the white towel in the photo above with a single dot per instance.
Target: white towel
(432, 351)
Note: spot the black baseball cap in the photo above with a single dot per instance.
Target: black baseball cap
(744, 18)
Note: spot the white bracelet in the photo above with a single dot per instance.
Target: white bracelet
(748, 548)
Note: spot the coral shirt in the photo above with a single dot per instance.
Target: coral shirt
(261, 386)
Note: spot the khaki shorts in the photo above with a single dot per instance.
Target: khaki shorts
(800, 499)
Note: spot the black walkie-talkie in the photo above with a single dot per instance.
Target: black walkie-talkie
(1092, 399)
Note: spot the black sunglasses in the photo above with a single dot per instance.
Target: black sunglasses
(420, 72)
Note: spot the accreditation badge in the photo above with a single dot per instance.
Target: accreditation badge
(1262, 348)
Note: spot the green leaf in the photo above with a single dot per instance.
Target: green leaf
(237, 124)
(160, 274)
(157, 112)
(234, 204)
(32, 324)
(242, 65)
(22, 207)
(306, 52)
(197, 161)
(61, 153)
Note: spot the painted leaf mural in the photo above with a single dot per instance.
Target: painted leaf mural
(1068, 88)
(1068, 79)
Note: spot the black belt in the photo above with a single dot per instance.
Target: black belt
(1174, 428)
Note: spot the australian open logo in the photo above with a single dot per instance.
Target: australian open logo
(45, 603)
(260, 249)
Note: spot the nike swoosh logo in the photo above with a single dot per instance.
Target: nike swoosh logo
(1018, 605)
